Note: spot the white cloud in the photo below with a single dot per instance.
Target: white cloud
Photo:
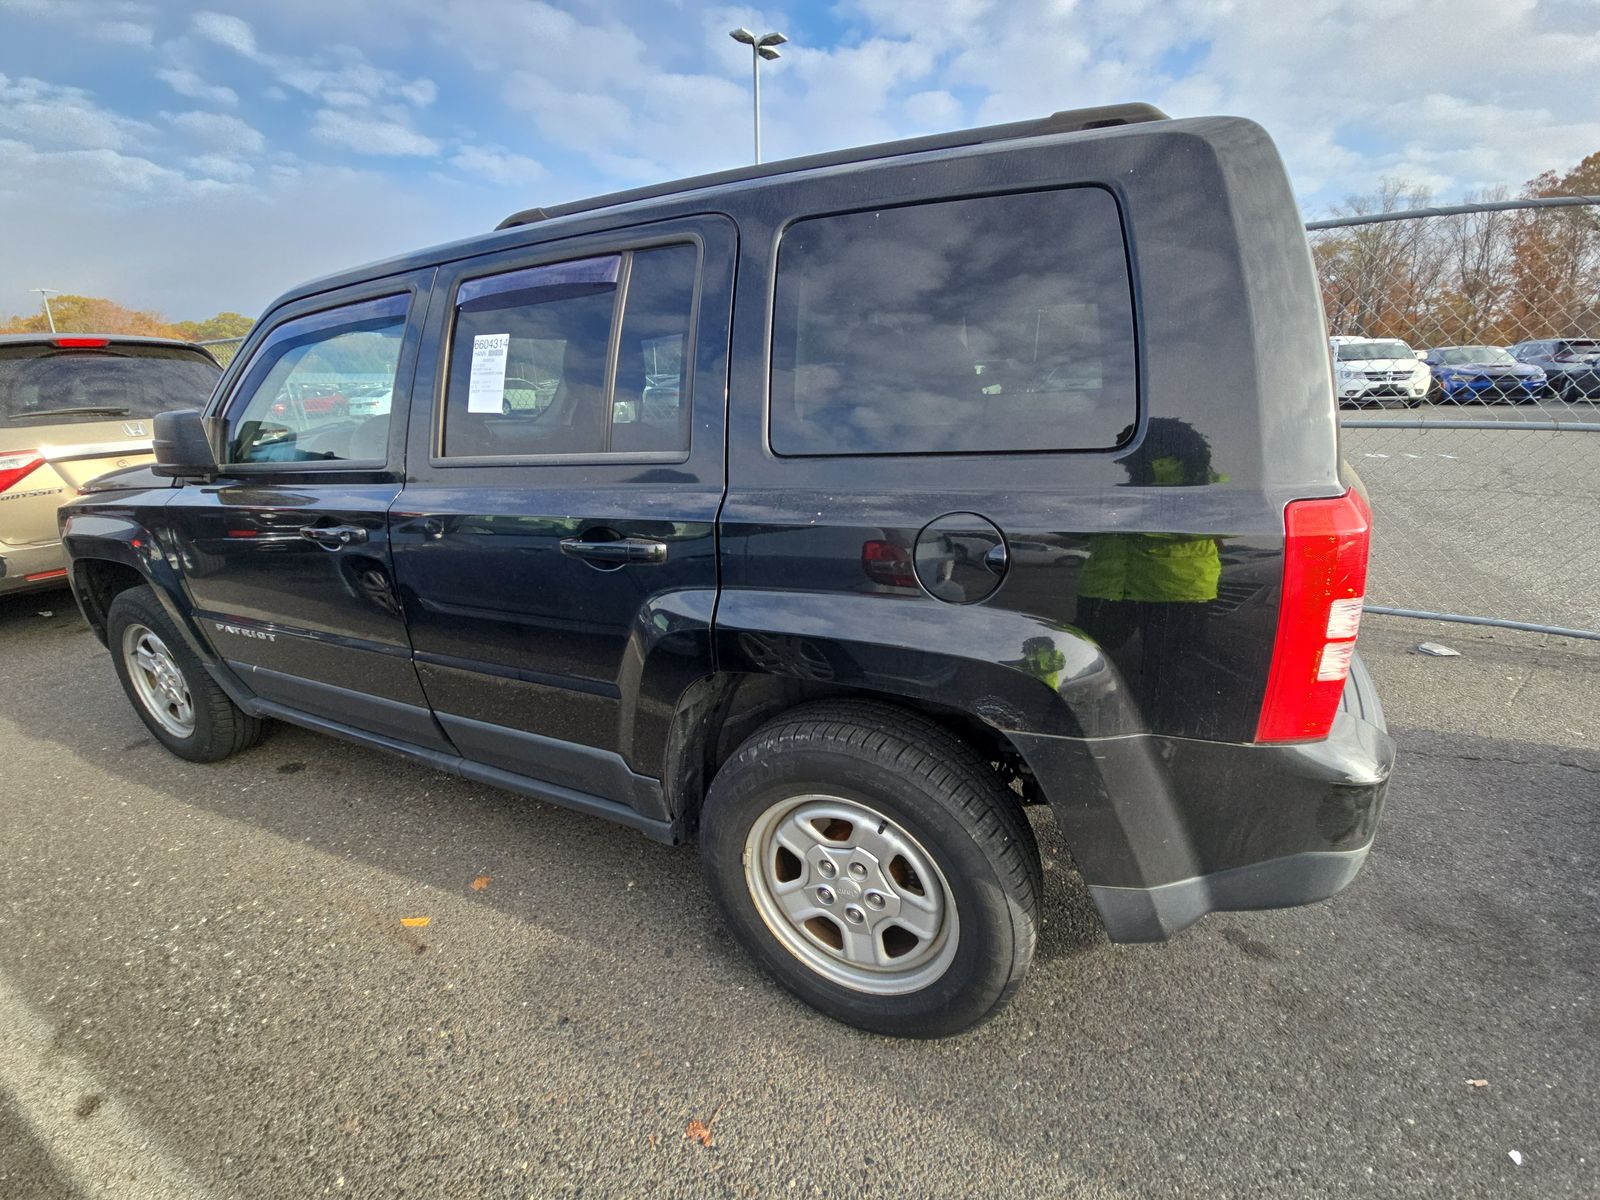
(497, 165)
(223, 167)
(126, 33)
(219, 131)
(122, 22)
(226, 30)
(187, 83)
(53, 117)
(154, 238)
(106, 177)
(371, 135)
(934, 111)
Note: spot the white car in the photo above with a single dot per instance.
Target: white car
(1378, 371)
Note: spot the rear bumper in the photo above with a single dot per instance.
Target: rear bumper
(19, 562)
(1165, 830)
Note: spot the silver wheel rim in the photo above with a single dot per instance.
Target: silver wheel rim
(157, 681)
(851, 894)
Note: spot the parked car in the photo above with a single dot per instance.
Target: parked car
(1378, 371)
(774, 565)
(73, 406)
(1572, 365)
(1483, 374)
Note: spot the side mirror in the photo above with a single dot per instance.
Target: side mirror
(183, 446)
(1421, 354)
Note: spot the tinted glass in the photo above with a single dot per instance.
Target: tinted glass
(41, 385)
(1475, 356)
(528, 365)
(650, 410)
(1372, 351)
(992, 324)
(321, 388)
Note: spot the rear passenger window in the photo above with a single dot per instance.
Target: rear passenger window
(533, 367)
(990, 324)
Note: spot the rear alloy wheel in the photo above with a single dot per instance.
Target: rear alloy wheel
(169, 687)
(851, 894)
(876, 866)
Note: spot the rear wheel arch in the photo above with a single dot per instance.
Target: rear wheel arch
(719, 712)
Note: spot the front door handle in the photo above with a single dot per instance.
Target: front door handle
(618, 550)
(331, 537)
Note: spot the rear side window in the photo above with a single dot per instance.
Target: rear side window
(581, 358)
(46, 385)
(964, 326)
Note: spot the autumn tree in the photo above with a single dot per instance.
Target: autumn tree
(95, 314)
(223, 325)
(1488, 277)
(90, 314)
(1556, 257)
(1378, 278)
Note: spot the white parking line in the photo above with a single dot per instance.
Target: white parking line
(91, 1136)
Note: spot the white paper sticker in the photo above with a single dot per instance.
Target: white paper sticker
(486, 388)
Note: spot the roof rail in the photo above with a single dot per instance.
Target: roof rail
(1070, 121)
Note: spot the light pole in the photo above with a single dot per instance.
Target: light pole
(761, 47)
(45, 294)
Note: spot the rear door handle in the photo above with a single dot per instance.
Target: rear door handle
(619, 550)
(331, 537)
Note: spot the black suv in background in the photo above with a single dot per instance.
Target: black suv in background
(1572, 365)
(830, 511)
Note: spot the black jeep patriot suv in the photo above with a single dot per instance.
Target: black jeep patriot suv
(830, 511)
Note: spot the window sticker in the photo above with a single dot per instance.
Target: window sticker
(486, 389)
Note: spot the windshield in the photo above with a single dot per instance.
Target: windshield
(41, 385)
(1489, 356)
(1366, 351)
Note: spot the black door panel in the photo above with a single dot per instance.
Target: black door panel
(286, 558)
(558, 570)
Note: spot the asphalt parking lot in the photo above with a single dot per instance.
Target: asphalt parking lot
(206, 988)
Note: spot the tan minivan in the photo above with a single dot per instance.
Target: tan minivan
(72, 407)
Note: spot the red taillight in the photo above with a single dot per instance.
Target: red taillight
(885, 562)
(81, 343)
(1324, 581)
(17, 466)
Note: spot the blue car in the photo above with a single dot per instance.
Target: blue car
(1483, 375)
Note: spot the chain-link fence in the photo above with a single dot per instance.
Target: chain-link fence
(1467, 358)
(223, 349)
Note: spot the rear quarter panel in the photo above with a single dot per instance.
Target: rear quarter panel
(1230, 344)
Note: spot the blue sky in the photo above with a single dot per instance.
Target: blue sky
(196, 157)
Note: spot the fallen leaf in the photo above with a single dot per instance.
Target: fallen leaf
(699, 1131)
(1478, 1082)
(415, 922)
(481, 882)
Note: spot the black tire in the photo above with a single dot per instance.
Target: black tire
(937, 789)
(220, 728)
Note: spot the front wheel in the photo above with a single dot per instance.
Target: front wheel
(178, 702)
(876, 867)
